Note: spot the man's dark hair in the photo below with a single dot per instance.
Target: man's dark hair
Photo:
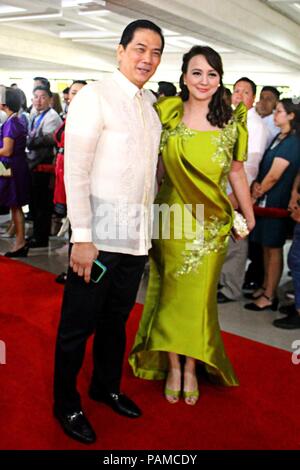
(44, 81)
(43, 88)
(246, 79)
(12, 99)
(227, 96)
(166, 89)
(66, 90)
(272, 89)
(227, 92)
(80, 82)
(131, 28)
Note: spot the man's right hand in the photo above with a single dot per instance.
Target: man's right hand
(82, 257)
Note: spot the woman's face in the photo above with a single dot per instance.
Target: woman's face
(201, 79)
(74, 89)
(281, 117)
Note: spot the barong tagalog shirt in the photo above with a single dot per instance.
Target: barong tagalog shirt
(111, 150)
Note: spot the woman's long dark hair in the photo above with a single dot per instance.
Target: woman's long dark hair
(219, 112)
(291, 107)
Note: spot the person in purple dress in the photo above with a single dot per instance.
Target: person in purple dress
(14, 173)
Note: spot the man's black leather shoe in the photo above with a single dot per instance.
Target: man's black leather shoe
(290, 322)
(222, 299)
(118, 402)
(76, 425)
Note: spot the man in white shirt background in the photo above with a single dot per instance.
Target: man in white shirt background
(231, 278)
(111, 149)
(268, 99)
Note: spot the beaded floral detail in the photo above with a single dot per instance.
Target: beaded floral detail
(180, 130)
(224, 143)
(209, 243)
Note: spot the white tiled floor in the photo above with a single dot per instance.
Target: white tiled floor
(233, 317)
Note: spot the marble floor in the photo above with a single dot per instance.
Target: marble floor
(233, 317)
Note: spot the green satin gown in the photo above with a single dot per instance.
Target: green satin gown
(180, 313)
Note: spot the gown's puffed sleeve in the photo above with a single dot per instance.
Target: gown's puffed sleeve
(241, 146)
(170, 112)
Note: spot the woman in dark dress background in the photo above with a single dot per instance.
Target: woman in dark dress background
(278, 169)
(14, 174)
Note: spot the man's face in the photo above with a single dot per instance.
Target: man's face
(243, 92)
(266, 104)
(141, 57)
(41, 100)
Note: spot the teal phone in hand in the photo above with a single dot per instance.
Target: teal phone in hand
(98, 271)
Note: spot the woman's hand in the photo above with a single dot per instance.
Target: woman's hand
(250, 223)
(256, 191)
(242, 225)
(293, 204)
(295, 213)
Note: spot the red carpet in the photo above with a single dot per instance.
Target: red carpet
(263, 413)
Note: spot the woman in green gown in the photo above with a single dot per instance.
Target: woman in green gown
(203, 145)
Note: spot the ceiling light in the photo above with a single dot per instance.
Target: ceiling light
(94, 12)
(82, 3)
(4, 9)
(92, 3)
(73, 3)
(168, 32)
(31, 17)
(86, 34)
